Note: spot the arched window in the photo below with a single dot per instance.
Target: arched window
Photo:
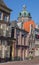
(29, 14)
(20, 14)
(24, 13)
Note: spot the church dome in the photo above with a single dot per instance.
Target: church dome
(24, 12)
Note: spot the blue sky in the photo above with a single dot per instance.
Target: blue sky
(16, 6)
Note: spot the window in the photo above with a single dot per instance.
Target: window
(3, 26)
(20, 14)
(18, 39)
(12, 32)
(8, 18)
(17, 32)
(0, 15)
(7, 53)
(29, 14)
(22, 39)
(0, 49)
(4, 33)
(5, 18)
(4, 49)
(24, 13)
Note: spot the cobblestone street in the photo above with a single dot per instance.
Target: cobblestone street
(20, 63)
(35, 61)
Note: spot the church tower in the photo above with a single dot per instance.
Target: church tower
(24, 15)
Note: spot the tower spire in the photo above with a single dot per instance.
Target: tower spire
(24, 7)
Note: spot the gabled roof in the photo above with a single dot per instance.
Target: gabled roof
(4, 5)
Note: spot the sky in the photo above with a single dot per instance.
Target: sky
(32, 6)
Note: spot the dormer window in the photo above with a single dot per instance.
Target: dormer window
(0, 15)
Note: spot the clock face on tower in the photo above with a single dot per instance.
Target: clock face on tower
(19, 24)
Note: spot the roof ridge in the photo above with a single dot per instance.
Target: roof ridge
(2, 3)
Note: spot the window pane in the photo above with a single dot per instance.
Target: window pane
(8, 52)
(0, 15)
(0, 49)
(5, 18)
